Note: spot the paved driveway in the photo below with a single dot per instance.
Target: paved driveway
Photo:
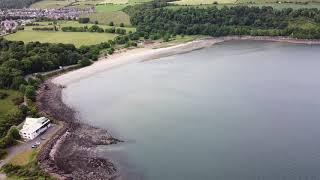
(23, 146)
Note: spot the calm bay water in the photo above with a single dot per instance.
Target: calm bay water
(238, 110)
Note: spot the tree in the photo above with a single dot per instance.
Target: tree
(84, 20)
(85, 62)
(30, 92)
(121, 25)
(111, 23)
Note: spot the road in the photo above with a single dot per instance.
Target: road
(23, 146)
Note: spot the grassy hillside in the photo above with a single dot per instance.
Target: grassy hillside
(278, 4)
(76, 38)
(7, 103)
(105, 17)
(199, 2)
(61, 24)
(50, 4)
(83, 3)
(64, 3)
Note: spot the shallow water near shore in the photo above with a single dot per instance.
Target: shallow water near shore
(237, 110)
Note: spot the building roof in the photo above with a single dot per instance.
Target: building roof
(33, 124)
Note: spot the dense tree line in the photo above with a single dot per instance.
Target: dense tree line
(43, 29)
(154, 19)
(94, 28)
(16, 4)
(84, 20)
(18, 59)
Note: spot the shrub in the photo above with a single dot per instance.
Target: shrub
(30, 92)
(10, 137)
(85, 62)
(121, 25)
(3, 95)
(3, 153)
(111, 23)
(84, 20)
(18, 100)
(111, 51)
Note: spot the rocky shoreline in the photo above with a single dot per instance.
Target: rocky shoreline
(70, 153)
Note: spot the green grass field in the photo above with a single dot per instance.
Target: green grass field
(64, 3)
(277, 4)
(61, 24)
(76, 38)
(6, 104)
(50, 4)
(274, 5)
(110, 7)
(83, 3)
(106, 17)
(199, 2)
(24, 158)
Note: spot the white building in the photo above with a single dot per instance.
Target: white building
(33, 127)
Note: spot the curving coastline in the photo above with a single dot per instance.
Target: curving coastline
(70, 154)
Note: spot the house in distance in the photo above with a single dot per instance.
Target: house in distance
(33, 127)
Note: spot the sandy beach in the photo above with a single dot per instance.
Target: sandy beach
(77, 158)
(150, 52)
(130, 56)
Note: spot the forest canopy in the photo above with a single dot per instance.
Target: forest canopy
(155, 19)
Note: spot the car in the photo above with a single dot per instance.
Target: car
(34, 146)
(43, 138)
(38, 143)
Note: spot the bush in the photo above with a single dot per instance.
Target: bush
(3, 153)
(111, 23)
(84, 20)
(14, 132)
(10, 138)
(3, 95)
(30, 92)
(18, 100)
(121, 31)
(85, 62)
(29, 171)
(121, 25)
(111, 51)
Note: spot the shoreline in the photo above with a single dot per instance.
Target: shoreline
(78, 139)
(150, 52)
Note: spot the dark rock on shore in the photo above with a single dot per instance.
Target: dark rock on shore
(70, 153)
